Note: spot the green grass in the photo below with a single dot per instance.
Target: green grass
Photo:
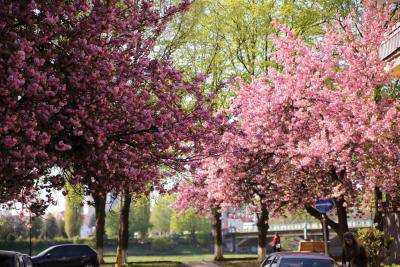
(175, 260)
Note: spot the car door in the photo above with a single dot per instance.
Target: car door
(86, 255)
(74, 255)
(7, 261)
(55, 257)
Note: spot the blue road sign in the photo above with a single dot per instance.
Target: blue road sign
(324, 205)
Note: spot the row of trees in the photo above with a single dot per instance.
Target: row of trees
(108, 92)
(161, 220)
(320, 122)
(12, 228)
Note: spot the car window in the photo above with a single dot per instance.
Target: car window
(56, 252)
(72, 251)
(87, 250)
(44, 252)
(298, 262)
(77, 251)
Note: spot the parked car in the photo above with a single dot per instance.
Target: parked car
(297, 259)
(68, 255)
(14, 259)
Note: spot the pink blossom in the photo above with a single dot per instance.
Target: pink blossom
(9, 141)
(61, 146)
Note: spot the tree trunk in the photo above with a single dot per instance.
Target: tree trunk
(262, 227)
(100, 210)
(378, 216)
(193, 237)
(341, 226)
(217, 229)
(123, 233)
(341, 211)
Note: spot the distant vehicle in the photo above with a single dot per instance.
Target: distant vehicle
(14, 259)
(68, 255)
(297, 259)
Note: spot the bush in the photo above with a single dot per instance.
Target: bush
(162, 244)
(205, 239)
(375, 242)
(78, 240)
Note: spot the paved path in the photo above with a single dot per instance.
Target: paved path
(222, 264)
(202, 264)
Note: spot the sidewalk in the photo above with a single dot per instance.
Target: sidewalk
(202, 264)
(223, 264)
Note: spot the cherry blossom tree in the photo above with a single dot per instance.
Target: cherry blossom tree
(242, 176)
(196, 194)
(318, 110)
(80, 91)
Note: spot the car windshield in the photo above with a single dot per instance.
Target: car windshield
(303, 262)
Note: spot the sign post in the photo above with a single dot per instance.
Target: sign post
(324, 206)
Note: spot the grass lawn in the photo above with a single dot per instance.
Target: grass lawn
(174, 260)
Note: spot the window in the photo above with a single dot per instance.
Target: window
(56, 252)
(86, 250)
(299, 262)
(73, 251)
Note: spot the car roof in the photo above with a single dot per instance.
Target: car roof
(301, 255)
(69, 245)
(8, 253)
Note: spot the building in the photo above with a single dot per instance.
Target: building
(390, 51)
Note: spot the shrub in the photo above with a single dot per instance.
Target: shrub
(162, 244)
(205, 239)
(76, 240)
(375, 242)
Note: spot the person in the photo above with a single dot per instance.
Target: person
(276, 242)
(353, 253)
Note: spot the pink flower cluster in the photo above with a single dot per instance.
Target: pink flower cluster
(80, 90)
(320, 125)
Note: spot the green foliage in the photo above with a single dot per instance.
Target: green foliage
(61, 227)
(161, 213)
(12, 228)
(205, 239)
(308, 17)
(191, 222)
(5, 228)
(37, 225)
(73, 210)
(225, 39)
(50, 228)
(375, 242)
(162, 244)
(139, 218)
(112, 224)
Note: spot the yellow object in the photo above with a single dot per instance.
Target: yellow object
(311, 246)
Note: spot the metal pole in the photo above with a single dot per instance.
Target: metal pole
(324, 226)
(305, 230)
(30, 234)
